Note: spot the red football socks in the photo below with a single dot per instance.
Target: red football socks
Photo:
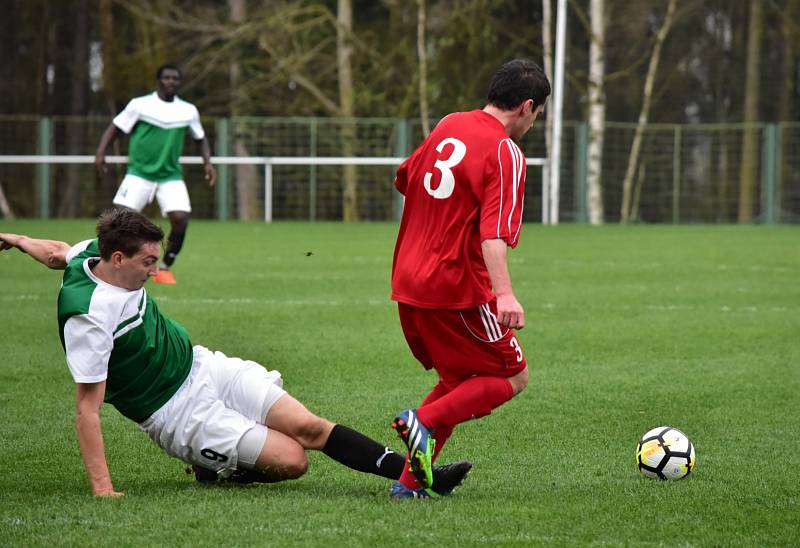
(473, 398)
(443, 409)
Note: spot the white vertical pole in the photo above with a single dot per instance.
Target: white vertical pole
(557, 109)
(546, 193)
(267, 191)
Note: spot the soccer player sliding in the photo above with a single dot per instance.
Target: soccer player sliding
(226, 416)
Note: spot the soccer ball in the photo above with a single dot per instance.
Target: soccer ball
(665, 453)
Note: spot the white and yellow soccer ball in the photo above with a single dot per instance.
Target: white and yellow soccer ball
(665, 453)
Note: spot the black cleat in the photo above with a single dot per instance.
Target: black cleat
(449, 476)
(242, 477)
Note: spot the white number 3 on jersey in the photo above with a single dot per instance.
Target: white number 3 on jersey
(448, 182)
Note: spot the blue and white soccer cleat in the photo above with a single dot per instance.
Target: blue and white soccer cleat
(401, 492)
(420, 445)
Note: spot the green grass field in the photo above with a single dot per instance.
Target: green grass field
(628, 328)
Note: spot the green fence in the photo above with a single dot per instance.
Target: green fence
(687, 173)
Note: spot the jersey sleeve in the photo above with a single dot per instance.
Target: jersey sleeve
(76, 249)
(126, 119)
(88, 347)
(401, 178)
(504, 193)
(195, 126)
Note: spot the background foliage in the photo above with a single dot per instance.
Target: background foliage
(90, 56)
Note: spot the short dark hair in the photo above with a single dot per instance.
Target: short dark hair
(517, 81)
(125, 230)
(167, 66)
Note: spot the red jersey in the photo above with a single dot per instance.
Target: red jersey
(464, 184)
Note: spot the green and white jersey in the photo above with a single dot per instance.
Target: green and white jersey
(157, 129)
(119, 336)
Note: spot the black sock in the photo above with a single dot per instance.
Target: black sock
(174, 245)
(357, 451)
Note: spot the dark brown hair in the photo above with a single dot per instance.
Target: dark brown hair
(516, 82)
(125, 230)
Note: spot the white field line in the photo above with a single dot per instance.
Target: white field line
(252, 301)
(683, 266)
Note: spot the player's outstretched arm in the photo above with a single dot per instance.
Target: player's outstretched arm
(51, 253)
(88, 399)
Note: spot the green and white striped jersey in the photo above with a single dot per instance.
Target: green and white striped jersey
(157, 129)
(120, 336)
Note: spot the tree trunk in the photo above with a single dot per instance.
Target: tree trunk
(547, 54)
(637, 191)
(597, 112)
(747, 175)
(423, 69)
(344, 53)
(70, 204)
(647, 97)
(5, 207)
(788, 92)
(105, 188)
(247, 203)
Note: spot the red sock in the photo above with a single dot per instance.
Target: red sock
(473, 398)
(407, 478)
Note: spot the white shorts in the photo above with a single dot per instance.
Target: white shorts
(135, 193)
(221, 400)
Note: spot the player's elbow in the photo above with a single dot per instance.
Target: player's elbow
(56, 261)
(57, 257)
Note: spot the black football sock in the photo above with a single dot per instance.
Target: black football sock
(357, 451)
(174, 245)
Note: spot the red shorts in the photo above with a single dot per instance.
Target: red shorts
(462, 343)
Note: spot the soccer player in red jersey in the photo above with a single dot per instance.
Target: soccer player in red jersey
(464, 189)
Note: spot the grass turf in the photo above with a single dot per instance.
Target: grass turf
(628, 328)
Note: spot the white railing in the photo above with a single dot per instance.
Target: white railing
(267, 161)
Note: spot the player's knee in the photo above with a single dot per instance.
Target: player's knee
(296, 465)
(289, 462)
(312, 431)
(179, 221)
(519, 381)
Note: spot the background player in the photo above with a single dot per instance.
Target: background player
(464, 192)
(218, 413)
(157, 125)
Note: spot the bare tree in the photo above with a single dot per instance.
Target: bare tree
(597, 111)
(547, 63)
(344, 53)
(747, 173)
(246, 176)
(79, 88)
(647, 97)
(791, 38)
(423, 69)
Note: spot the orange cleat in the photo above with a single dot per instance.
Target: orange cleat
(164, 277)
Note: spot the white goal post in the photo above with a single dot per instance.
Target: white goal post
(268, 162)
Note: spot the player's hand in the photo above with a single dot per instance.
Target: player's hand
(108, 493)
(509, 312)
(211, 174)
(8, 240)
(100, 165)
